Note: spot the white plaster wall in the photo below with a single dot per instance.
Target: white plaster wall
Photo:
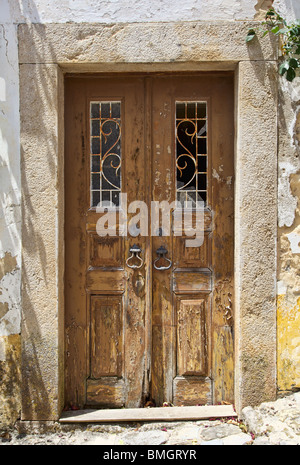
(10, 223)
(288, 162)
(110, 11)
(289, 9)
(288, 167)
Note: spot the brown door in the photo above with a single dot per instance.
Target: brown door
(146, 316)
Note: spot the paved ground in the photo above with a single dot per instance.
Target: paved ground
(271, 423)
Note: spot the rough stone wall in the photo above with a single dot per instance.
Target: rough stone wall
(14, 12)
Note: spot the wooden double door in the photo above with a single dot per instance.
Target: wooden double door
(146, 317)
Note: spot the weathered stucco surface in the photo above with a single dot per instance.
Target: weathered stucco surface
(124, 47)
(111, 11)
(10, 219)
(10, 227)
(288, 287)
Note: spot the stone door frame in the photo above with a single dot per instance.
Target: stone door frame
(48, 51)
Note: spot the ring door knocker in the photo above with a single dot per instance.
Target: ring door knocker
(161, 254)
(135, 250)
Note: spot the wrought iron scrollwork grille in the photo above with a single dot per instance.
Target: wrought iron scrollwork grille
(191, 151)
(105, 135)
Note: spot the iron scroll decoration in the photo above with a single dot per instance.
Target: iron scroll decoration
(110, 169)
(191, 151)
(135, 250)
(161, 254)
(105, 152)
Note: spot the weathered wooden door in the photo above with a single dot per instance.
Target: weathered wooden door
(146, 316)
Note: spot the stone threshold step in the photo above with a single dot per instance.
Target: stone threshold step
(148, 414)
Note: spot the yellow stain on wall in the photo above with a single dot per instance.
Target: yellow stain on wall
(288, 340)
(10, 379)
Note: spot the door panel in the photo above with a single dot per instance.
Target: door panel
(105, 252)
(192, 257)
(134, 334)
(105, 306)
(106, 336)
(196, 102)
(191, 331)
(106, 352)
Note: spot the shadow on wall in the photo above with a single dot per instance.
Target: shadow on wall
(39, 347)
(10, 224)
(261, 68)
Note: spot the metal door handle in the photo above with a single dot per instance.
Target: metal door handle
(161, 252)
(135, 250)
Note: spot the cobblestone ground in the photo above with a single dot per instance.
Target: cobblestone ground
(272, 423)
